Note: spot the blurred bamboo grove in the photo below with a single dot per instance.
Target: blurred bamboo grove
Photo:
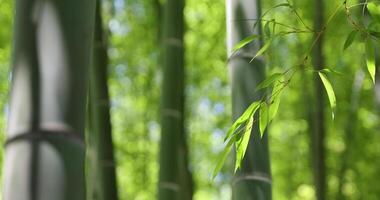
(132, 99)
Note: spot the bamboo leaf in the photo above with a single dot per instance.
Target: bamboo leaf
(267, 28)
(243, 118)
(263, 118)
(374, 28)
(269, 80)
(350, 39)
(273, 108)
(275, 101)
(370, 59)
(268, 10)
(374, 10)
(223, 157)
(244, 42)
(242, 143)
(330, 92)
(263, 49)
(328, 70)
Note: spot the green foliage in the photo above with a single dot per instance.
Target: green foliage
(223, 156)
(275, 100)
(330, 92)
(269, 81)
(374, 10)
(264, 118)
(370, 59)
(263, 49)
(134, 85)
(244, 42)
(238, 134)
(350, 39)
(272, 107)
(241, 143)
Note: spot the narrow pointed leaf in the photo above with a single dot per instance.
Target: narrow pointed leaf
(350, 39)
(263, 118)
(242, 143)
(330, 92)
(273, 108)
(374, 10)
(243, 118)
(275, 101)
(328, 70)
(267, 28)
(269, 81)
(244, 42)
(370, 60)
(263, 49)
(223, 157)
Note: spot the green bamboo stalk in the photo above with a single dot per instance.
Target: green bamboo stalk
(318, 127)
(253, 181)
(44, 155)
(174, 178)
(100, 135)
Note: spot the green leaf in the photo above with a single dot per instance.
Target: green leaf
(375, 34)
(242, 143)
(263, 118)
(223, 157)
(374, 10)
(373, 26)
(269, 80)
(263, 49)
(268, 10)
(328, 70)
(267, 28)
(350, 39)
(370, 59)
(243, 118)
(330, 92)
(244, 42)
(273, 108)
(275, 100)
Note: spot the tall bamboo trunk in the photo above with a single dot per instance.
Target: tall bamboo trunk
(318, 135)
(100, 137)
(253, 181)
(44, 155)
(174, 177)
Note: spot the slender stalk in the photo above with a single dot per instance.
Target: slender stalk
(319, 130)
(44, 155)
(100, 122)
(175, 179)
(253, 181)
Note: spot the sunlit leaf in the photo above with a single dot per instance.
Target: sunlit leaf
(244, 42)
(350, 39)
(243, 118)
(269, 80)
(275, 100)
(374, 10)
(242, 143)
(370, 59)
(328, 70)
(330, 92)
(263, 118)
(223, 157)
(267, 28)
(263, 49)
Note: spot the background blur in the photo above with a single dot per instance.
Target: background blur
(135, 77)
